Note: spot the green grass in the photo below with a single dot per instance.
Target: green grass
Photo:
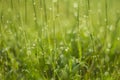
(59, 40)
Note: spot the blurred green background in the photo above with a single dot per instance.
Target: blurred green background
(59, 39)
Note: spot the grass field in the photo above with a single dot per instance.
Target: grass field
(59, 39)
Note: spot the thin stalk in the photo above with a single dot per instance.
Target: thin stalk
(1, 22)
(115, 34)
(41, 3)
(68, 5)
(41, 17)
(25, 11)
(35, 14)
(78, 24)
(88, 24)
(78, 34)
(58, 6)
(54, 46)
(88, 12)
(106, 21)
(19, 18)
(11, 4)
(1, 17)
(88, 6)
(40, 32)
(45, 11)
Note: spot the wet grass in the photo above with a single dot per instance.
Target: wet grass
(59, 40)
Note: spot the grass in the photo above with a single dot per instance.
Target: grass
(59, 40)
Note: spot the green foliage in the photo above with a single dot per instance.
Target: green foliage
(59, 40)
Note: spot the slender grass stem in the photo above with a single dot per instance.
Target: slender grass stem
(68, 5)
(45, 11)
(106, 26)
(41, 17)
(115, 34)
(11, 4)
(54, 46)
(88, 6)
(58, 6)
(88, 24)
(78, 24)
(25, 11)
(1, 22)
(106, 18)
(35, 14)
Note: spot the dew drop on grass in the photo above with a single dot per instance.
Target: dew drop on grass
(98, 78)
(9, 10)
(106, 73)
(20, 28)
(34, 3)
(107, 49)
(75, 14)
(118, 38)
(21, 50)
(50, 9)
(61, 56)
(67, 49)
(107, 58)
(69, 32)
(57, 15)
(90, 50)
(34, 45)
(5, 50)
(54, 1)
(85, 16)
(105, 20)
(7, 22)
(62, 48)
(75, 5)
(0, 75)
(110, 27)
(34, 18)
(109, 45)
(28, 52)
(99, 10)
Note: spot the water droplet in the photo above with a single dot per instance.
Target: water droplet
(90, 50)
(118, 38)
(107, 58)
(75, 14)
(110, 28)
(98, 78)
(109, 45)
(9, 10)
(35, 18)
(85, 16)
(7, 22)
(75, 5)
(21, 50)
(34, 45)
(107, 49)
(34, 3)
(105, 20)
(54, 1)
(50, 8)
(61, 56)
(67, 49)
(99, 10)
(28, 52)
(106, 73)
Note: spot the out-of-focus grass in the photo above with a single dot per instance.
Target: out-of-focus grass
(59, 40)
